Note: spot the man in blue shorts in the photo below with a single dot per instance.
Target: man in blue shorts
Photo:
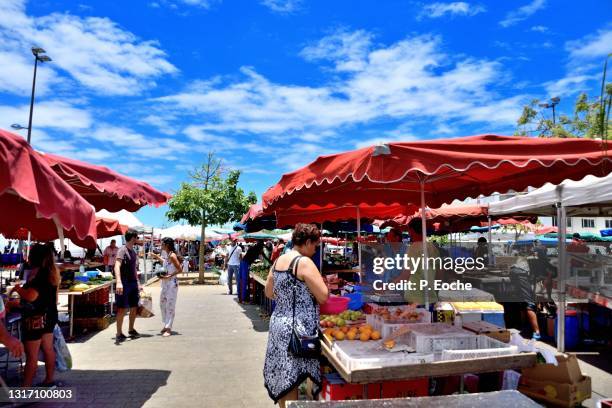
(127, 291)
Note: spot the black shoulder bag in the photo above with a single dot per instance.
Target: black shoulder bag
(300, 345)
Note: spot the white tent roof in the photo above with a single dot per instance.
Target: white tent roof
(591, 196)
(124, 217)
(189, 233)
(186, 232)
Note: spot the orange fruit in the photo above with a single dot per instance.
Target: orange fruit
(375, 335)
(344, 329)
(389, 344)
(329, 331)
(339, 335)
(351, 335)
(365, 336)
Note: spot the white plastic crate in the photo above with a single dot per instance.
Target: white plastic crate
(356, 355)
(485, 347)
(437, 337)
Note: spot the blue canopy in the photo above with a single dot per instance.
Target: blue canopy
(606, 232)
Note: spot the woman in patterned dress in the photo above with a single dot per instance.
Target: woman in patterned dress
(283, 372)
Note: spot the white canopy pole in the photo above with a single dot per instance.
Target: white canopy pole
(561, 269)
(425, 251)
(490, 238)
(60, 235)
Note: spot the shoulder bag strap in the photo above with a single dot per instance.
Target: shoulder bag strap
(292, 270)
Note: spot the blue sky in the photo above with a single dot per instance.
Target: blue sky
(148, 87)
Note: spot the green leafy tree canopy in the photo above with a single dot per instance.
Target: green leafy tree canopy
(212, 197)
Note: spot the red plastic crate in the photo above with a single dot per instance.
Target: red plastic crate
(406, 388)
(335, 389)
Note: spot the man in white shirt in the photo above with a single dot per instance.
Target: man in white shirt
(110, 255)
(234, 255)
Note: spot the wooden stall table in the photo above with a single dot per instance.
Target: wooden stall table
(264, 302)
(444, 368)
(72, 294)
(508, 398)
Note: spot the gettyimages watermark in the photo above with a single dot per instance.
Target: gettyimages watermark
(412, 265)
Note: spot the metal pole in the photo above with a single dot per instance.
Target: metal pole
(490, 236)
(424, 233)
(553, 108)
(32, 99)
(359, 240)
(562, 271)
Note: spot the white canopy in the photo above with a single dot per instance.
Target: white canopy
(124, 217)
(591, 196)
(190, 233)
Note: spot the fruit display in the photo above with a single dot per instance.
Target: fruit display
(399, 315)
(341, 319)
(358, 332)
(260, 270)
(79, 287)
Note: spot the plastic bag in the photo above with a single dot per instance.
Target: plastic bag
(223, 278)
(145, 306)
(63, 358)
(510, 380)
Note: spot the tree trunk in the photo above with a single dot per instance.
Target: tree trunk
(202, 251)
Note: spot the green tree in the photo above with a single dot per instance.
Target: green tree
(590, 118)
(211, 198)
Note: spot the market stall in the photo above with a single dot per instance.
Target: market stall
(429, 173)
(591, 196)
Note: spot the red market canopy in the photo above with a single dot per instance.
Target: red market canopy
(34, 197)
(103, 187)
(255, 211)
(454, 218)
(332, 213)
(104, 228)
(445, 169)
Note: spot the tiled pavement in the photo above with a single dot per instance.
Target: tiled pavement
(215, 359)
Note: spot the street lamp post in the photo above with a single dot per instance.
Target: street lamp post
(553, 102)
(39, 56)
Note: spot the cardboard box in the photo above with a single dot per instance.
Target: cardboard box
(489, 330)
(557, 394)
(567, 371)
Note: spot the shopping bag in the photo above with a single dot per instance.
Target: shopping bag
(145, 305)
(63, 358)
(223, 278)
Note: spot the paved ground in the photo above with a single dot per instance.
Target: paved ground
(214, 360)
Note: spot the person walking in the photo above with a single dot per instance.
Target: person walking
(251, 255)
(296, 285)
(128, 290)
(233, 264)
(169, 284)
(39, 312)
(110, 256)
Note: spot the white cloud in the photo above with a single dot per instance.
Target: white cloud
(522, 13)
(283, 6)
(348, 50)
(175, 4)
(585, 64)
(540, 29)
(410, 79)
(47, 114)
(94, 51)
(592, 46)
(457, 8)
(137, 145)
(572, 83)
